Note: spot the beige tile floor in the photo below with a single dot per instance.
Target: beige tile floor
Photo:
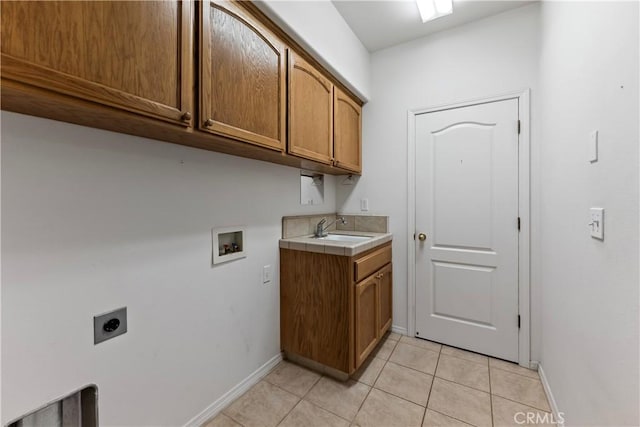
(406, 382)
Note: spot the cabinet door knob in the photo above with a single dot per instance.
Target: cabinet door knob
(186, 116)
(422, 237)
(208, 123)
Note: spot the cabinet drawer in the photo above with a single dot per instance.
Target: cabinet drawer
(369, 263)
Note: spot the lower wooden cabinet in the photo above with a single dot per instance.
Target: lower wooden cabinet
(373, 309)
(331, 314)
(385, 288)
(367, 317)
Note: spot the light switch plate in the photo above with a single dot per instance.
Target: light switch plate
(266, 274)
(364, 205)
(597, 223)
(593, 147)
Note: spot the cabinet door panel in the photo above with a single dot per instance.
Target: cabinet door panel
(243, 77)
(132, 55)
(347, 132)
(366, 312)
(310, 112)
(386, 298)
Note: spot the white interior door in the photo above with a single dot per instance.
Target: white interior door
(467, 207)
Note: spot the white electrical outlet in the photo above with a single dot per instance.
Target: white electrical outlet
(266, 274)
(364, 205)
(597, 223)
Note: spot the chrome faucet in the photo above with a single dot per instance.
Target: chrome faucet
(321, 230)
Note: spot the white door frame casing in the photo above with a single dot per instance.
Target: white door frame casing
(524, 355)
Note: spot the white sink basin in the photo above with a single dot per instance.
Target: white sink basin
(345, 238)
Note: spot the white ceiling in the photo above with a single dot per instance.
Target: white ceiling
(383, 23)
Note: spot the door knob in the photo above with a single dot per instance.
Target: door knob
(422, 237)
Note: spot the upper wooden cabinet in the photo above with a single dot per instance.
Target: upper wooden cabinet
(242, 76)
(129, 66)
(325, 124)
(310, 112)
(132, 55)
(347, 125)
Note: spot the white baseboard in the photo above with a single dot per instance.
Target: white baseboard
(398, 330)
(243, 386)
(552, 401)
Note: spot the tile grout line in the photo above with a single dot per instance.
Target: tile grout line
(400, 397)
(407, 367)
(457, 419)
(515, 373)
(290, 411)
(464, 385)
(222, 411)
(414, 369)
(299, 398)
(383, 366)
(490, 393)
(322, 407)
(489, 358)
(293, 394)
(517, 401)
(234, 420)
(491, 396)
(423, 348)
(317, 405)
(374, 383)
(426, 408)
(467, 360)
(374, 357)
(328, 410)
(521, 403)
(299, 401)
(312, 386)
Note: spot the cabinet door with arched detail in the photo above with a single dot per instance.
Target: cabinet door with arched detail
(242, 76)
(310, 112)
(347, 144)
(135, 56)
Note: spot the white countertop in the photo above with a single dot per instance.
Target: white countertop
(332, 247)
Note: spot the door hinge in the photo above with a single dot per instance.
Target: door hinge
(518, 127)
(518, 223)
(414, 236)
(518, 321)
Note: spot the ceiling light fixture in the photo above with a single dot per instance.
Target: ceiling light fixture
(432, 9)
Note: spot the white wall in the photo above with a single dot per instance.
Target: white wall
(486, 58)
(318, 27)
(589, 81)
(93, 220)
